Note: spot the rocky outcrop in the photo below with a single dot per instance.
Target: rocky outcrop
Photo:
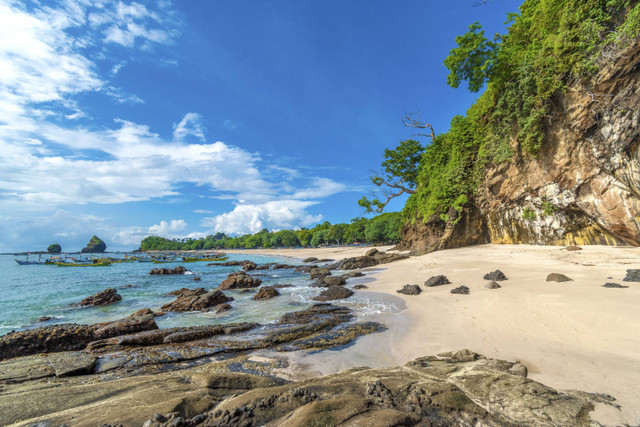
(496, 276)
(557, 277)
(377, 257)
(333, 293)
(108, 296)
(582, 188)
(632, 276)
(168, 271)
(197, 301)
(437, 281)
(455, 389)
(239, 280)
(614, 285)
(410, 290)
(96, 245)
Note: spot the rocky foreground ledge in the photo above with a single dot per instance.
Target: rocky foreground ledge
(454, 389)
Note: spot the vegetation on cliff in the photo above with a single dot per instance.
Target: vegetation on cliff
(54, 248)
(95, 245)
(381, 229)
(549, 44)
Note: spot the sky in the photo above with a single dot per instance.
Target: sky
(182, 119)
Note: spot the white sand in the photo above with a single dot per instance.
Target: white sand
(571, 335)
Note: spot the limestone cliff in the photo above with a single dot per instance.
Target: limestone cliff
(583, 187)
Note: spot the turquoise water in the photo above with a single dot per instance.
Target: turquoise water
(28, 292)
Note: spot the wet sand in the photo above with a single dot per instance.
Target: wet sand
(570, 335)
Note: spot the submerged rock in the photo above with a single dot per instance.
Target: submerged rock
(333, 293)
(557, 277)
(319, 272)
(462, 290)
(632, 276)
(108, 296)
(266, 292)
(310, 259)
(239, 280)
(410, 290)
(360, 287)
(495, 276)
(613, 285)
(325, 282)
(437, 281)
(223, 307)
(199, 302)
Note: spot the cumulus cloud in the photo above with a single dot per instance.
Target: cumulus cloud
(191, 124)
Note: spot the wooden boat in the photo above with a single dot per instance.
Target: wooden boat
(224, 258)
(83, 264)
(27, 262)
(157, 261)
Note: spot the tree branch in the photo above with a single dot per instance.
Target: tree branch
(411, 122)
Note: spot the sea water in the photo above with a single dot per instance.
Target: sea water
(29, 292)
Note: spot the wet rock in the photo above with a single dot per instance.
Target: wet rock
(196, 278)
(372, 252)
(557, 277)
(333, 293)
(410, 290)
(223, 307)
(492, 285)
(573, 248)
(325, 282)
(108, 296)
(632, 276)
(319, 272)
(355, 274)
(310, 259)
(318, 313)
(64, 364)
(613, 285)
(186, 292)
(360, 287)
(266, 292)
(281, 266)
(125, 326)
(495, 276)
(239, 280)
(44, 318)
(262, 267)
(249, 265)
(437, 281)
(325, 260)
(282, 286)
(357, 263)
(168, 271)
(202, 302)
(146, 311)
(55, 338)
(462, 290)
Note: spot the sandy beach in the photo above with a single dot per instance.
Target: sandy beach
(571, 335)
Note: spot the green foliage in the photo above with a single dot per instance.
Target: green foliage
(54, 248)
(318, 238)
(548, 208)
(95, 245)
(528, 214)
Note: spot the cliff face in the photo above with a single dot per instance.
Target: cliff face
(582, 188)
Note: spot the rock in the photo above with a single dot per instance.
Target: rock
(239, 280)
(196, 279)
(355, 274)
(168, 271)
(35, 367)
(108, 296)
(360, 287)
(372, 252)
(318, 313)
(223, 307)
(410, 290)
(334, 293)
(437, 281)
(357, 263)
(319, 272)
(325, 282)
(95, 245)
(186, 292)
(462, 290)
(266, 292)
(281, 266)
(310, 259)
(325, 260)
(126, 326)
(495, 276)
(262, 267)
(613, 285)
(632, 276)
(573, 248)
(44, 318)
(282, 286)
(202, 302)
(492, 285)
(49, 339)
(249, 265)
(557, 277)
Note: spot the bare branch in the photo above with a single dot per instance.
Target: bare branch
(410, 121)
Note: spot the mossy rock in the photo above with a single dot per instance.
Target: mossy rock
(96, 245)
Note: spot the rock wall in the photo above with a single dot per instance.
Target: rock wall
(582, 188)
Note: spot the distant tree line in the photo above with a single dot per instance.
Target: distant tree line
(382, 229)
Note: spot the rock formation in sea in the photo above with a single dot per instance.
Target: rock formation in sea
(96, 245)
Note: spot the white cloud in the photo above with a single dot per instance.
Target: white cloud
(274, 215)
(191, 124)
(165, 228)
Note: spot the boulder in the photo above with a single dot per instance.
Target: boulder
(108, 296)
(239, 280)
(49, 339)
(95, 246)
(282, 286)
(281, 266)
(168, 271)
(319, 272)
(613, 285)
(325, 282)
(557, 277)
(360, 287)
(632, 276)
(202, 302)
(495, 276)
(437, 281)
(372, 252)
(44, 318)
(355, 274)
(196, 279)
(186, 292)
(223, 307)
(492, 285)
(410, 290)
(126, 326)
(310, 259)
(249, 265)
(357, 263)
(333, 293)
(462, 290)
(266, 292)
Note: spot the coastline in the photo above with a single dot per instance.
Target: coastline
(571, 335)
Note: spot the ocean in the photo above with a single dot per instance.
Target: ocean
(29, 292)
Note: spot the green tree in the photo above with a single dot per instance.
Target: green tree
(54, 248)
(355, 230)
(304, 236)
(335, 234)
(318, 238)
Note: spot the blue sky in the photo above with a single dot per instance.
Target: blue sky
(126, 119)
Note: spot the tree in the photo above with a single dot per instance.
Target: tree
(473, 60)
(336, 233)
(355, 230)
(400, 168)
(304, 236)
(54, 249)
(318, 238)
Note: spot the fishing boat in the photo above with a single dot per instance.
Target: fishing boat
(83, 264)
(164, 261)
(192, 259)
(27, 262)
